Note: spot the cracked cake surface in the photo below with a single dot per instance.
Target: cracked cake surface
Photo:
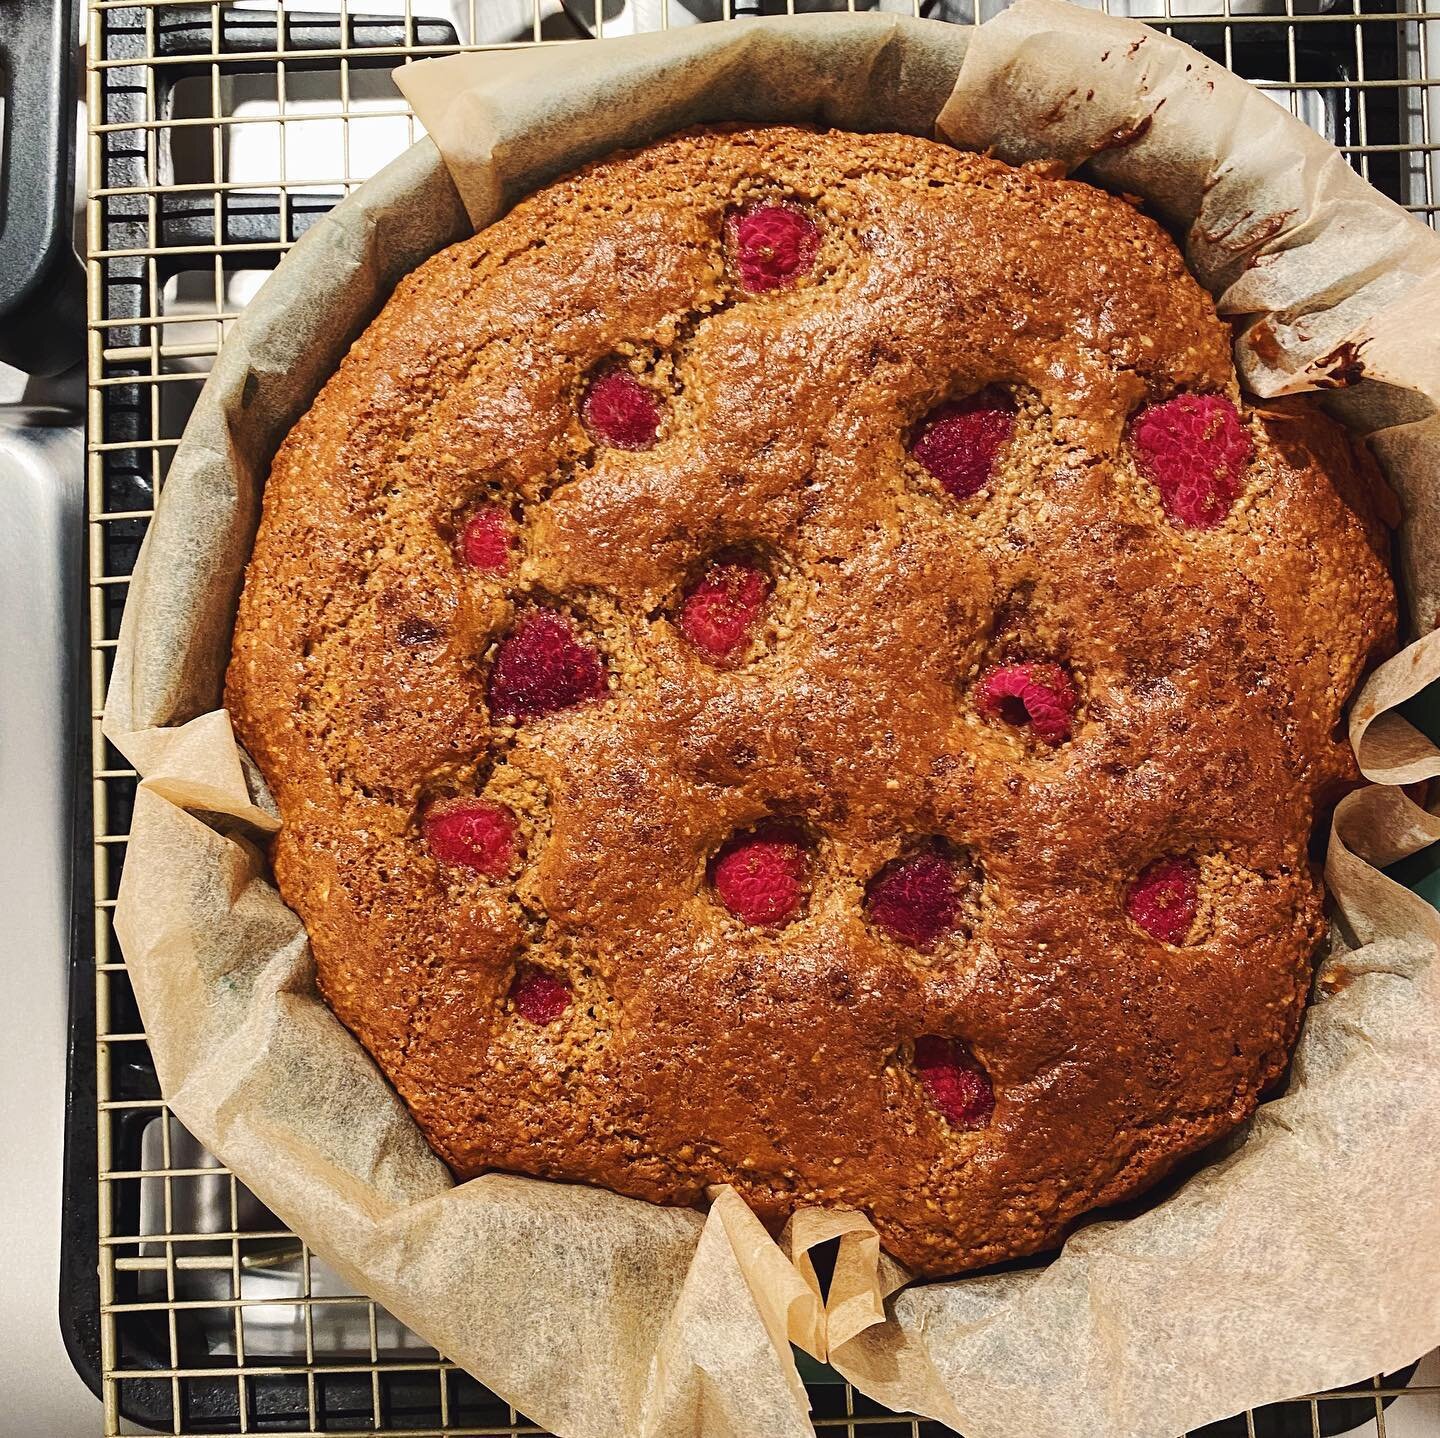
(787, 660)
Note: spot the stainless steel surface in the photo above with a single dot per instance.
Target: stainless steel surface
(272, 1272)
(41, 629)
(230, 1299)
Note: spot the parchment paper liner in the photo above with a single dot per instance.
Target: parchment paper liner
(1307, 1256)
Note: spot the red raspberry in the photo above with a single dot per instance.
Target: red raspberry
(472, 834)
(914, 899)
(718, 615)
(958, 442)
(486, 540)
(1164, 899)
(620, 411)
(761, 877)
(957, 1085)
(774, 245)
(542, 667)
(1038, 694)
(1195, 449)
(539, 997)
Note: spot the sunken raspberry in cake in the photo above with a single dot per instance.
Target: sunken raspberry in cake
(787, 661)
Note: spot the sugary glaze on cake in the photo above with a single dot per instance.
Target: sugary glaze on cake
(785, 662)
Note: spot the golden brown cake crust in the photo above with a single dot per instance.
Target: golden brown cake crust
(1211, 664)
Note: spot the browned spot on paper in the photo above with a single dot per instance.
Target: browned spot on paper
(1218, 237)
(1337, 979)
(1125, 135)
(1342, 367)
(1267, 229)
(1232, 237)
(1058, 108)
(1266, 347)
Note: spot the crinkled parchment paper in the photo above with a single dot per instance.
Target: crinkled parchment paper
(1307, 1255)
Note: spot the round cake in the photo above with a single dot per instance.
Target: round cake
(786, 661)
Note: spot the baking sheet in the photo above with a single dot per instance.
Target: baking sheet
(592, 1313)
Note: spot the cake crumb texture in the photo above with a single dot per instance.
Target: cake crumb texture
(787, 661)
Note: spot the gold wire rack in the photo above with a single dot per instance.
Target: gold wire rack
(216, 134)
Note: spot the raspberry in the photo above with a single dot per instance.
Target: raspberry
(914, 899)
(774, 245)
(761, 878)
(542, 667)
(472, 834)
(1195, 450)
(958, 442)
(1039, 694)
(620, 411)
(957, 1085)
(539, 997)
(718, 615)
(486, 540)
(1164, 898)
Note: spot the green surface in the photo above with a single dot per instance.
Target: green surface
(813, 1372)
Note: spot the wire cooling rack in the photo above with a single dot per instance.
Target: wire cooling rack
(217, 134)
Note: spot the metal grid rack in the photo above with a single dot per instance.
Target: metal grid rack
(217, 134)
